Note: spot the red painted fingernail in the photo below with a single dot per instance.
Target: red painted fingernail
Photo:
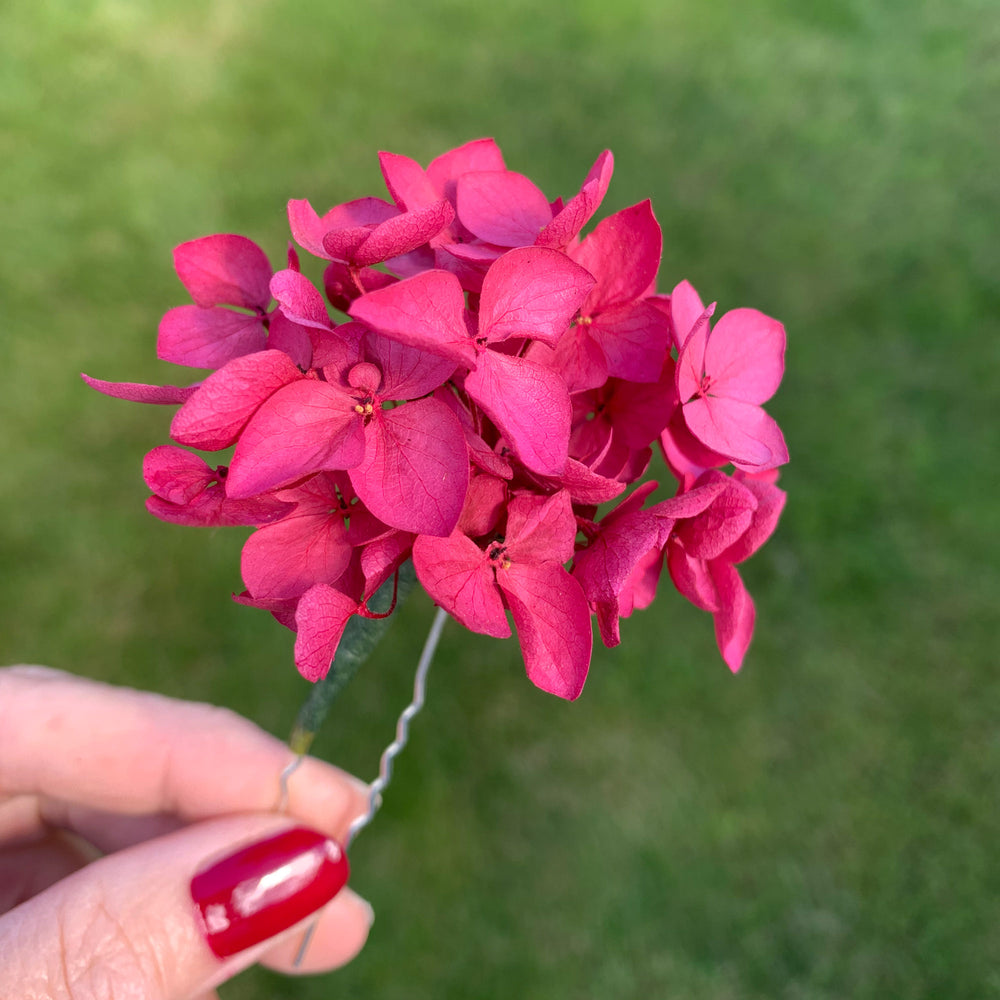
(266, 888)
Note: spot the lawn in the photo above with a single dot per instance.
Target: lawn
(822, 825)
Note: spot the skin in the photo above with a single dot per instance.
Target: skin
(110, 800)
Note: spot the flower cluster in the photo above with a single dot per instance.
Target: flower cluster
(497, 380)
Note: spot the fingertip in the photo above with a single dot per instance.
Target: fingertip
(340, 931)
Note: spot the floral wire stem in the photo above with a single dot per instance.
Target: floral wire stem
(389, 755)
(402, 729)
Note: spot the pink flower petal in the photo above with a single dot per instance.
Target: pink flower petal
(458, 577)
(305, 427)
(293, 339)
(341, 285)
(691, 577)
(531, 292)
(623, 254)
(141, 392)
(722, 523)
(224, 270)
(477, 155)
(404, 233)
(529, 404)
(300, 300)
(502, 207)
(553, 625)
(308, 229)
(407, 182)
(770, 503)
(485, 502)
(735, 618)
(382, 557)
(570, 220)
(176, 474)
(285, 559)
(742, 432)
(213, 509)
(426, 312)
(320, 619)
(634, 339)
(685, 310)
(691, 359)
(407, 372)
(745, 356)
(586, 486)
(415, 469)
(216, 413)
(541, 529)
(208, 338)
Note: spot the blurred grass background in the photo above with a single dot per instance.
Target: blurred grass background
(823, 825)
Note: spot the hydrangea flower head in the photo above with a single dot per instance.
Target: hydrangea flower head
(489, 380)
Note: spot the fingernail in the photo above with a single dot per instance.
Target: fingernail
(267, 887)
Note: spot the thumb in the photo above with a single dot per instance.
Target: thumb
(173, 917)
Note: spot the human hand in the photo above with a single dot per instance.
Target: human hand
(112, 801)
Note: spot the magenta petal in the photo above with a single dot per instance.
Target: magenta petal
(426, 311)
(485, 502)
(692, 502)
(721, 524)
(623, 254)
(341, 284)
(382, 557)
(742, 432)
(213, 509)
(406, 181)
(634, 339)
(745, 356)
(685, 310)
(553, 625)
(224, 270)
(502, 207)
(587, 487)
(208, 338)
(305, 427)
(458, 577)
(541, 529)
(292, 338)
(141, 392)
(690, 368)
(404, 233)
(407, 372)
(529, 404)
(216, 413)
(531, 292)
(415, 470)
(770, 503)
(176, 474)
(606, 564)
(577, 357)
(285, 559)
(578, 210)
(691, 578)
(308, 229)
(343, 244)
(320, 619)
(735, 618)
(479, 154)
(300, 300)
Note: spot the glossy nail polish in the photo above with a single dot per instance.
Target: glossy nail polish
(267, 887)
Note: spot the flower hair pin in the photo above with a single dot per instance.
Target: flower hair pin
(478, 417)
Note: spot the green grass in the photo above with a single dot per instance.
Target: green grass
(823, 825)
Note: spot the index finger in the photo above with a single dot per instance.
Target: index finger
(133, 753)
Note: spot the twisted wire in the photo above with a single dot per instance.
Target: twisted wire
(393, 750)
